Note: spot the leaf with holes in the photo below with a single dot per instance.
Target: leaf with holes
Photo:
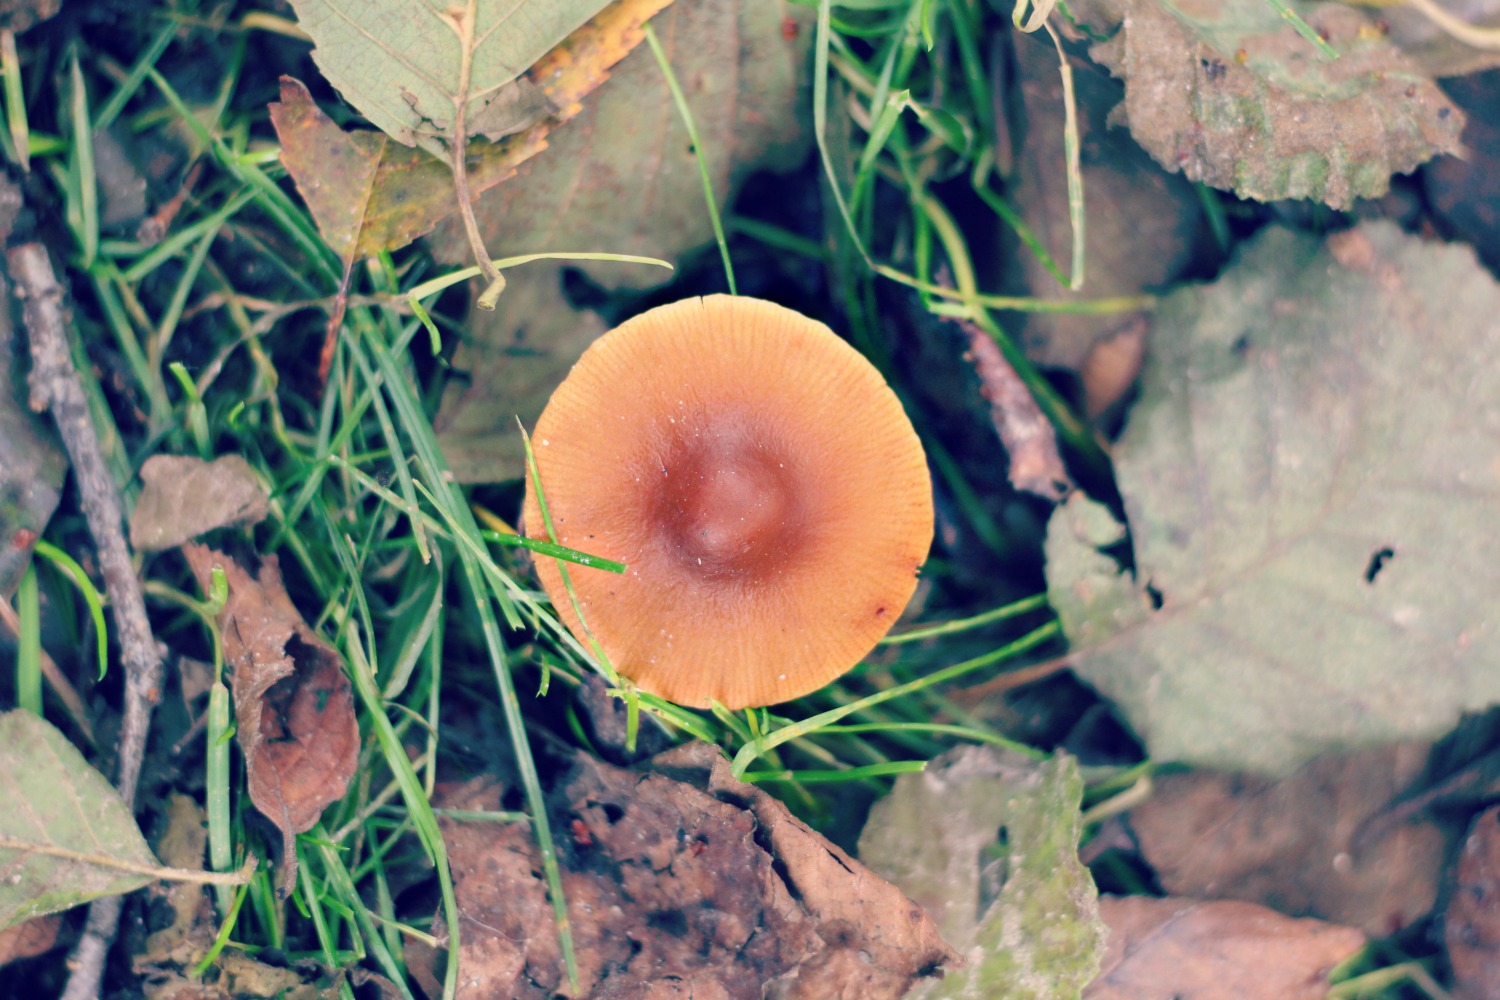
(1310, 478)
(67, 836)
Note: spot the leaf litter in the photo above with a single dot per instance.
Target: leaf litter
(184, 497)
(685, 882)
(1309, 505)
(293, 706)
(1226, 92)
(999, 872)
(1215, 950)
(367, 193)
(1471, 923)
(1295, 845)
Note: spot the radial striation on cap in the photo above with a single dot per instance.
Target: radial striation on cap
(761, 482)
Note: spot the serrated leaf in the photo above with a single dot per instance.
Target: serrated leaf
(1229, 94)
(411, 66)
(1310, 477)
(620, 178)
(51, 798)
(1022, 913)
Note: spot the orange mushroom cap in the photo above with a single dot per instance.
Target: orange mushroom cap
(762, 484)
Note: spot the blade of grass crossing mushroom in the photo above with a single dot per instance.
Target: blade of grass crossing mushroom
(755, 748)
(451, 502)
(698, 153)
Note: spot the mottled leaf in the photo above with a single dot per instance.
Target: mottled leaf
(1471, 923)
(620, 178)
(1310, 477)
(1227, 92)
(999, 873)
(412, 67)
(293, 707)
(52, 800)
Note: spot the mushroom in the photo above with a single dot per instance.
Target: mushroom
(761, 482)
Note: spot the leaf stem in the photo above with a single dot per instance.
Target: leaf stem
(458, 145)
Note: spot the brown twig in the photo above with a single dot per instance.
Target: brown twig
(55, 385)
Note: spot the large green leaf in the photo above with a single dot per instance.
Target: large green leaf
(1311, 478)
(999, 873)
(620, 178)
(410, 65)
(1227, 92)
(68, 838)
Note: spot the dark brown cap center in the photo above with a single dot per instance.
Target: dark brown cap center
(729, 508)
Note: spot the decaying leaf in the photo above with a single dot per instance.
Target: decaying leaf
(1030, 440)
(1227, 92)
(34, 937)
(292, 703)
(413, 69)
(53, 800)
(1437, 52)
(183, 942)
(1309, 476)
(1471, 925)
(1215, 950)
(620, 178)
(368, 193)
(1290, 844)
(680, 881)
(184, 497)
(999, 873)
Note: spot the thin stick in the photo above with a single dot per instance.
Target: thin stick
(55, 385)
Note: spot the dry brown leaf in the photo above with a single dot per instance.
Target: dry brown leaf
(1215, 950)
(1030, 439)
(1287, 844)
(368, 192)
(292, 703)
(1471, 926)
(183, 497)
(680, 882)
(29, 939)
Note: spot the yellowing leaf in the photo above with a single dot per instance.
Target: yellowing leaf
(417, 68)
(368, 193)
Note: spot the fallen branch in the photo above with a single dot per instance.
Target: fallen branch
(55, 385)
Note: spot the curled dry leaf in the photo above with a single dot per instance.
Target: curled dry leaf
(1215, 950)
(681, 881)
(1290, 844)
(369, 193)
(1229, 94)
(1471, 926)
(1029, 437)
(184, 497)
(292, 703)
